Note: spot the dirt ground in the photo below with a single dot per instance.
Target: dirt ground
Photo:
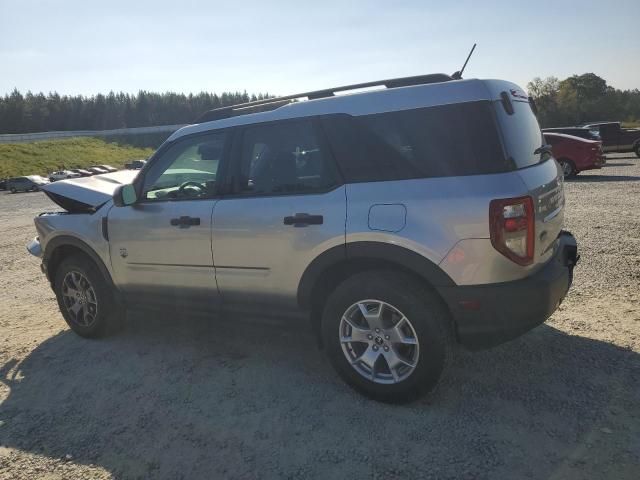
(191, 397)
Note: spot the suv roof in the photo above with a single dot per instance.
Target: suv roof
(275, 102)
(394, 98)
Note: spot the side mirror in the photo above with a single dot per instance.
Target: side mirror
(124, 195)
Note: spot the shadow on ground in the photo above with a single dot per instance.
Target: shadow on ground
(603, 178)
(618, 164)
(193, 398)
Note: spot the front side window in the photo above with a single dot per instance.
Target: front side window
(186, 170)
(283, 158)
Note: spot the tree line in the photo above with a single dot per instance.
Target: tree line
(37, 112)
(574, 100)
(581, 99)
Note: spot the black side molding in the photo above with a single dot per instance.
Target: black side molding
(105, 228)
(66, 240)
(372, 251)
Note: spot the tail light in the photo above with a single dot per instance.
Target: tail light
(512, 228)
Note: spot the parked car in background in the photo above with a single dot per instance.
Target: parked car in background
(345, 210)
(135, 164)
(581, 132)
(62, 175)
(30, 183)
(108, 168)
(575, 154)
(615, 138)
(97, 170)
(82, 172)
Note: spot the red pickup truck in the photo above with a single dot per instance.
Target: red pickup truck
(615, 138)
(575, 154)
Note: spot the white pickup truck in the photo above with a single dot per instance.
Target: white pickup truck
(62, 175)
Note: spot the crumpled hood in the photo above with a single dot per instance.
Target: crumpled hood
(87, 194)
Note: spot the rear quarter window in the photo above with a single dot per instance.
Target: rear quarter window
(448, 140)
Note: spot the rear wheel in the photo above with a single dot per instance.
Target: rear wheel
(386, 335)
(568, 168)
(85, 299)
(637, 149)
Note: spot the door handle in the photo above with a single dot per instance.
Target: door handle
(303, 219)
(185, 222)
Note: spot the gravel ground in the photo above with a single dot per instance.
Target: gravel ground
(196, 398)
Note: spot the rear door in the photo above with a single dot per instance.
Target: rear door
(161, 246)
(287, 207)
(539, 172)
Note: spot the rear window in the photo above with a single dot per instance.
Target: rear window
(521, 133)
(448, 140)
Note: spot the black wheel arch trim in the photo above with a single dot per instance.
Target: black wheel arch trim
(389, 253)
(67, 240)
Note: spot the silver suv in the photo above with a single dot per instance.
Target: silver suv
(400, 221)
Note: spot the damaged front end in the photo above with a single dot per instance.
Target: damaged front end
(81, 198)
(87, 194)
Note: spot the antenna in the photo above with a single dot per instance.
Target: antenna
(458, 74)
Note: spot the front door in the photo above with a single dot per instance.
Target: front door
(287, 207)
(161, 246)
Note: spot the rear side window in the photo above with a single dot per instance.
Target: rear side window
(448, 140)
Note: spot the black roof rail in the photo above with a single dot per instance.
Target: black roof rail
(268, 104)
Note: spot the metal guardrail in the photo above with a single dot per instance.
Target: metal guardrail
(32, 137)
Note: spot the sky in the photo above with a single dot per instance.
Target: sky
(283, 47)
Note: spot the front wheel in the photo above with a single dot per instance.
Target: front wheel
(387, 335)
(13, 190)
(85, 299)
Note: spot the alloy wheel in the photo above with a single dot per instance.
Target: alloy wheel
(379, 341)
(79, 298)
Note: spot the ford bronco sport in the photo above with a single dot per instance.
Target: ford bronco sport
(400, 221)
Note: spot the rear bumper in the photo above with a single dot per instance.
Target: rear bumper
(597, 163)
(491, 314)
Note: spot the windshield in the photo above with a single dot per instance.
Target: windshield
(522, 135)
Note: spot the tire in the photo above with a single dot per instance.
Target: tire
(99, 314)
(568, 168)
(636, 149)
(425, 332)
(13, 190)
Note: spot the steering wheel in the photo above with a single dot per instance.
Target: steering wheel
(183, 188)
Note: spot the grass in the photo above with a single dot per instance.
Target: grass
(41, 158)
